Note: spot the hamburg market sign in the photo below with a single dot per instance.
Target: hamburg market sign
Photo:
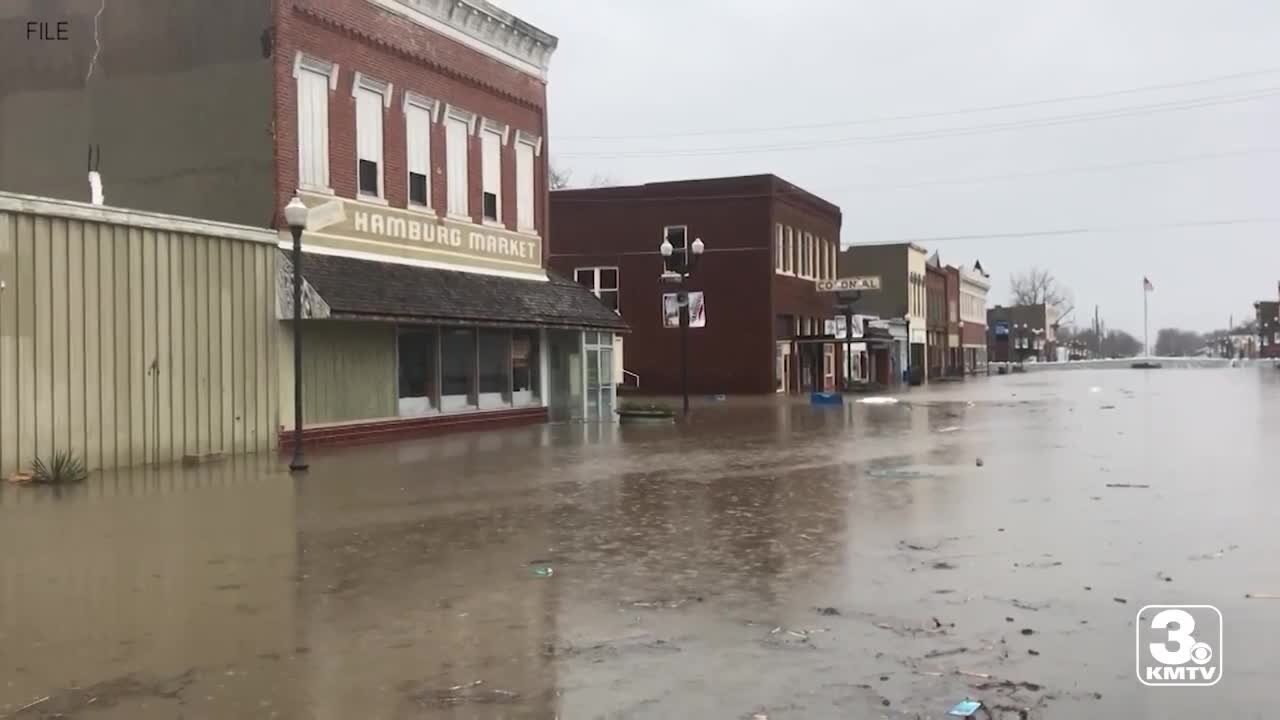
(349, 225)
(849, 284)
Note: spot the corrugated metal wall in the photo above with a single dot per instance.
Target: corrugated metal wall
(129, 343)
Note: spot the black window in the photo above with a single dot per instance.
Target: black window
(418, 188)
(368, 177)
(490, 206)
(677, 235)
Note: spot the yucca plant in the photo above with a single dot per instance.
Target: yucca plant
(62, 469)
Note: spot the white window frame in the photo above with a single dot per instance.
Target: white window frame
(421, 102)
(309, 63)
(777, 248)
(597, 273)
(502, 133)
(365, 83)
(789, 253)
(535, 144)
(455, 113)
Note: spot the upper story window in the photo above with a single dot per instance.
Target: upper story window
(458, 127)
(678, 236)
(777, 248)
(315, 79)
(603, 281)
(788, 252)
(528, 147)
(371, 97)
(492, 137)
(419, 114)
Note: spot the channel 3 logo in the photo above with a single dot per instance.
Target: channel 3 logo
(1179, 645)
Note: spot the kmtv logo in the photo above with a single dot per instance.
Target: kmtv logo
(1179, 645)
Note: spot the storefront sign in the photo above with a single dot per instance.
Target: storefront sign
(671, 310)
(849, 284)
(350, 225)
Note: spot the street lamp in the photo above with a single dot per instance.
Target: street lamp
(680, 267)
(295, 215)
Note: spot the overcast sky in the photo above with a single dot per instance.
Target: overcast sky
(681, 76)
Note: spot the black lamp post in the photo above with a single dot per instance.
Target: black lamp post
(295, 215)
(681, 266)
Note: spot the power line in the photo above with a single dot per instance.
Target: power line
(1132, 111)
(935, 114)
(1075, 231)
(926, 183)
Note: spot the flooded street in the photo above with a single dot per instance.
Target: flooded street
(770, 558)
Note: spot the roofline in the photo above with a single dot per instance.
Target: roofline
(908, 245)
(769, 185)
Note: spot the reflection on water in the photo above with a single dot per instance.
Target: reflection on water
(687, 561)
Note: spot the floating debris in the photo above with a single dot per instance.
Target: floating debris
(945, 653)
(1128, 485)
(965, 708)
(1120, 600)
(948, 429)
(828, 611)
(878, 400)
(1262, 596)
(943, 565)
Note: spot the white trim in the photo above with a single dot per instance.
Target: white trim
(373, 199)
(285, 242)
(453, 33)
(72, 210)
(414, 99)
(501, 128)
(456, 113)
(304, 187)
(364, 82)
(530, 139)
(310, 62)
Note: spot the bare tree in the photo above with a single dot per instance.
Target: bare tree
(598, 180)
(558, 178)
(1036, 287)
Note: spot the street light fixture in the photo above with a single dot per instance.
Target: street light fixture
(295, 215)
(679, 268)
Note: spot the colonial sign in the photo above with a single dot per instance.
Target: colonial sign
(849, 284)
(671, 310)
(351, 225)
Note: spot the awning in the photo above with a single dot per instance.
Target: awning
(370, 290)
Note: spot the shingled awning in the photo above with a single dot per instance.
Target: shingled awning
(365, 289)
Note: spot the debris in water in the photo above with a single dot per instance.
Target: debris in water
(1028, 631)
(541, 568)
(1161, 576)
(918, 546)
(1008, 619)
(948, 429)
(885, 702)
(1107, 407)
(30, 705)
(945, 653)
(1262, 596)
(972, 674)
(878, 401)
(1127, 485)
(1216, 555)
(979, 463)
(1033, 607)
(1120, 600)
(828, 611)
(965, 708)
(1088, 587)
(1032, 651)
(884, 678)
(943, 565)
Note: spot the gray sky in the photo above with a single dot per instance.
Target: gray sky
(664, 68)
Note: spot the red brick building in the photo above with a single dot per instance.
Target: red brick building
(936, 317)
(767, 242)
(415, 133)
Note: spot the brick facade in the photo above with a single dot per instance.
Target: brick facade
(735, 218)
(360, 37)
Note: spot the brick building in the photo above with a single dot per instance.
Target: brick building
(414, 130)
(1268, 319)
(974, 286)
(936, 317)
(767, 242)
(1022, 332)
(901, 268)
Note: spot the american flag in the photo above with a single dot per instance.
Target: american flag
(1146, 285)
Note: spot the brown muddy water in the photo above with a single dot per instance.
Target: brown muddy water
(769, 559)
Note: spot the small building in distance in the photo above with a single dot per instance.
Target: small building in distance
(1022, 333)
(767, 243)
(1268, 319)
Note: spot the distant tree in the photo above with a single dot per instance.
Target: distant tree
(1118, 343)
(1172, 342)
(558, 178)
(1037, 286)
(598, 180)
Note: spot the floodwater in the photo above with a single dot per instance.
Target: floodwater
(769, 559)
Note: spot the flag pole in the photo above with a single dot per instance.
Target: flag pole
(1146, 342)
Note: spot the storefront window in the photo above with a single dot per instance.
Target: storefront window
(458, 368)
(524, 367)
(418, 376)
(495, 370)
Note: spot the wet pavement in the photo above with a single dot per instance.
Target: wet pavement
(770, 559)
